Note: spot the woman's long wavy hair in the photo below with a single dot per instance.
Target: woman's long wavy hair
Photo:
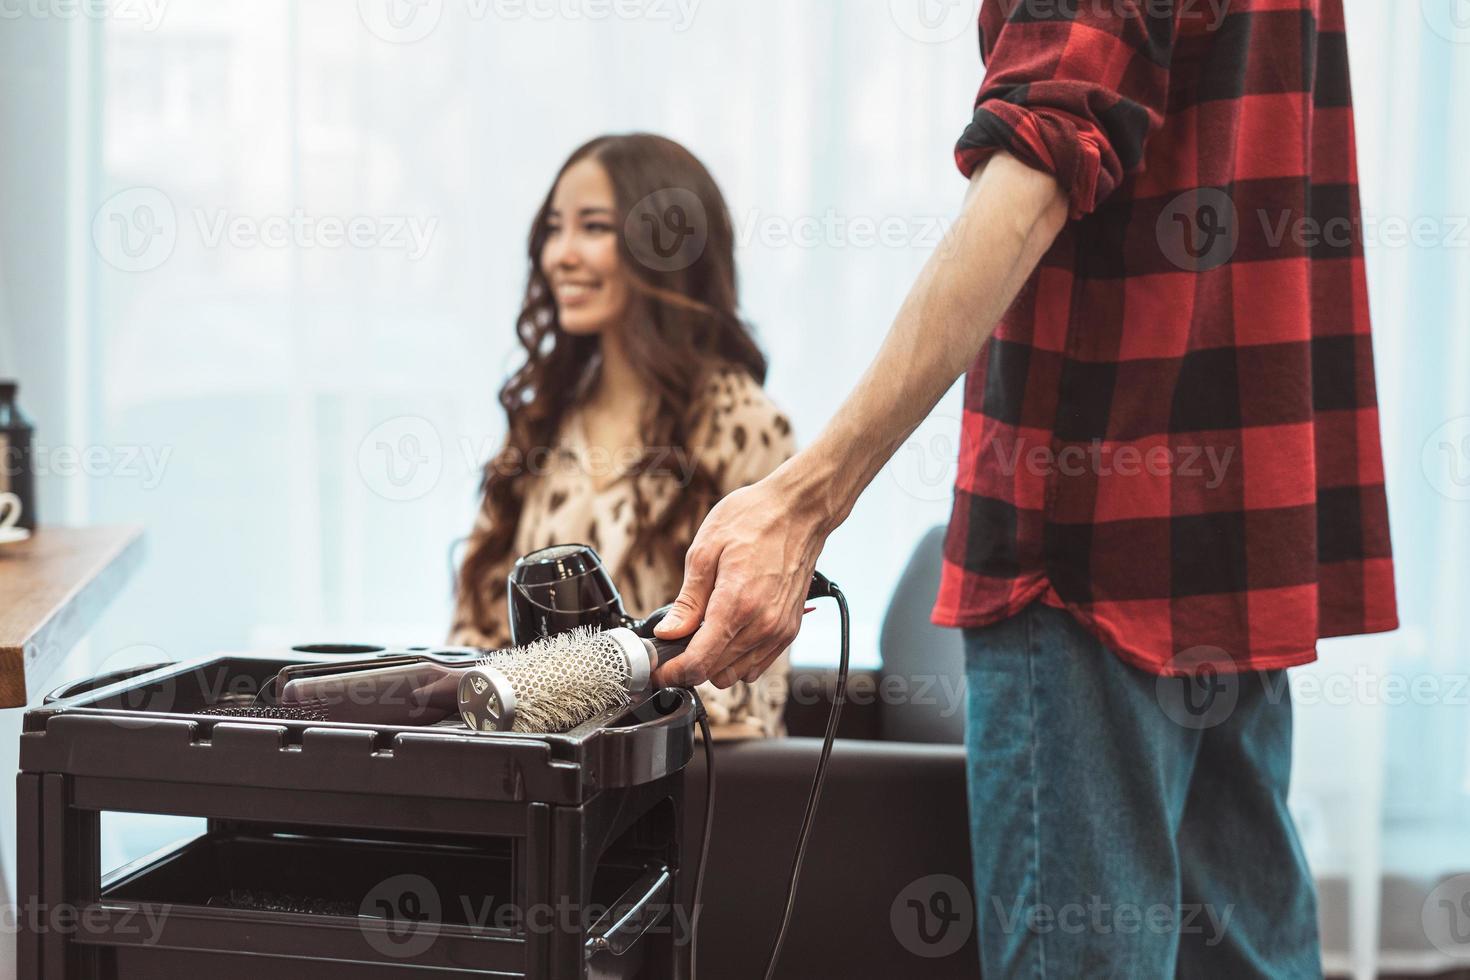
(681, 325)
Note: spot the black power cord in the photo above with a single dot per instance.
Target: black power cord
(821, 586)
(709, 818)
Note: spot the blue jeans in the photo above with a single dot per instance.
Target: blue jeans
(1126, 825)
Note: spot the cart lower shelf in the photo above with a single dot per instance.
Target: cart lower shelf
(283, 906)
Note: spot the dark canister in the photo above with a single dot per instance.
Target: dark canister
(560, 588)
(16, 474)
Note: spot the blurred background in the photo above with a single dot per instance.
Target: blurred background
(259, 266)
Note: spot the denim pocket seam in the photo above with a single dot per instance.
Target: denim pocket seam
(1031, 681)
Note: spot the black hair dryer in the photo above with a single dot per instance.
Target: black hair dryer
(565, 586)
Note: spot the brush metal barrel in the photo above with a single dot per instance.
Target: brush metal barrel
(488, 694)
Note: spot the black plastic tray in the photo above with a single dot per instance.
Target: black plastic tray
(168, 738)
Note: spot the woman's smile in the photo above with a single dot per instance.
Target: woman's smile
(575, 293)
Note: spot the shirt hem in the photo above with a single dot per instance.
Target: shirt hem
(1047, 594)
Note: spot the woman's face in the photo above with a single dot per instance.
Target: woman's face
(580, 256)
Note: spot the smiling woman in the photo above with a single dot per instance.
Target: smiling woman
(639, 404)
(580, 254)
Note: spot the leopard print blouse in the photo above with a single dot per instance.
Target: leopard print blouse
(580, 495)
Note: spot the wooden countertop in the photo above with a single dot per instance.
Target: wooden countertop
(53, 586)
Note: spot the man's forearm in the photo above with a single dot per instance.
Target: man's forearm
(1010, 217)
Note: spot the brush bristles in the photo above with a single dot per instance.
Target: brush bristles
(266, 711)
(561, 681)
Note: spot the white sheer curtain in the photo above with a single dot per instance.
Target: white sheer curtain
(291, 282)
(325, 408)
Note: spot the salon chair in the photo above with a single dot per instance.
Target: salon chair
(892, 817)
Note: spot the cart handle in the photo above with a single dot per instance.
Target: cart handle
(85, 684)
(639, 909)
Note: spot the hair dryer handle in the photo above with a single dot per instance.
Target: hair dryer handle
(821, 586)
(397, 691)
(644, 627)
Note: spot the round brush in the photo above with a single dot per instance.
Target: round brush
(556, 683)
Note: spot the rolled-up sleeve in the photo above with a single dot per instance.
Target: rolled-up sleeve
(1074, 88)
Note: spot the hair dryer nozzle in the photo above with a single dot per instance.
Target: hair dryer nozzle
(560, 588)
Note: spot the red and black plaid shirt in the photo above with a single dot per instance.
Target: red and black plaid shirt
(1173, 433)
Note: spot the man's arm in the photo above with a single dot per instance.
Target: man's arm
(749, 567)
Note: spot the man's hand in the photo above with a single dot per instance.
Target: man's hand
(751, 563)
(746, 577)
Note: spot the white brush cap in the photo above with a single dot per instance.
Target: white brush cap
(487, 700)
(640, 654)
